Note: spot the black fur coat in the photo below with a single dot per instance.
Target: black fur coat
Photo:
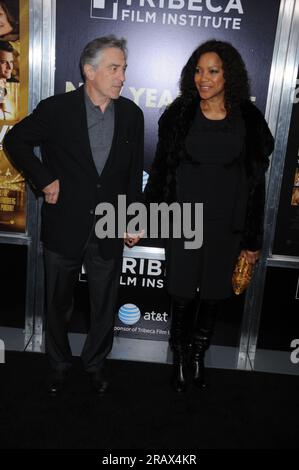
(174, 125)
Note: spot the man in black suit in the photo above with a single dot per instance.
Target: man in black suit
(91, 142)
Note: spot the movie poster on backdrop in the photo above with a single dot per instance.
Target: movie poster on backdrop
(14, 37)
(287, 227)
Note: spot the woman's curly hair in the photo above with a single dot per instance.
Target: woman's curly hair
(236, 86)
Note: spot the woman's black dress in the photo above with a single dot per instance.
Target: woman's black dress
(212, 175)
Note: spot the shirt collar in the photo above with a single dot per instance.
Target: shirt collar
(94, 107)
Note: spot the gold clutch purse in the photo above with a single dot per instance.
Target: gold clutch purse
(242, 275)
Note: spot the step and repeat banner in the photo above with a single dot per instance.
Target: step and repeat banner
(161, 35)
(14, 60)
(143, 305)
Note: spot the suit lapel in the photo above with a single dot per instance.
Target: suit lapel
(80, 126)
(111, 160)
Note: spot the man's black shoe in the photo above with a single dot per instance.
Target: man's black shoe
(56, 382)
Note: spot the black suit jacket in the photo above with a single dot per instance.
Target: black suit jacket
(59, 126)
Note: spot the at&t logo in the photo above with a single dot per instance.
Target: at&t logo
(129, 314)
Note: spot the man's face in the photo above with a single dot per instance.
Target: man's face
(108, 77)
(6, 64)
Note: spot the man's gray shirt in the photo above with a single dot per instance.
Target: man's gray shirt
(100, 130)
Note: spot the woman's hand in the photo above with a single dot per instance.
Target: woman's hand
(251, 256)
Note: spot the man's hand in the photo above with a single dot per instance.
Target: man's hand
(51, 192)
(251, 256)
(131, 239)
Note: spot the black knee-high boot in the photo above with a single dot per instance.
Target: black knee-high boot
(203, 331)
(178, 343)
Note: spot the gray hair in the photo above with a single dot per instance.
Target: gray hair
(92, 52)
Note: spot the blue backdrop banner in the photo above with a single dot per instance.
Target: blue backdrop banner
(161, 36)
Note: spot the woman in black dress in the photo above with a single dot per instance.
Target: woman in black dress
(214, 148)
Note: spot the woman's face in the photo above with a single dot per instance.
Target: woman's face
(208, 78)
(5, 26)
